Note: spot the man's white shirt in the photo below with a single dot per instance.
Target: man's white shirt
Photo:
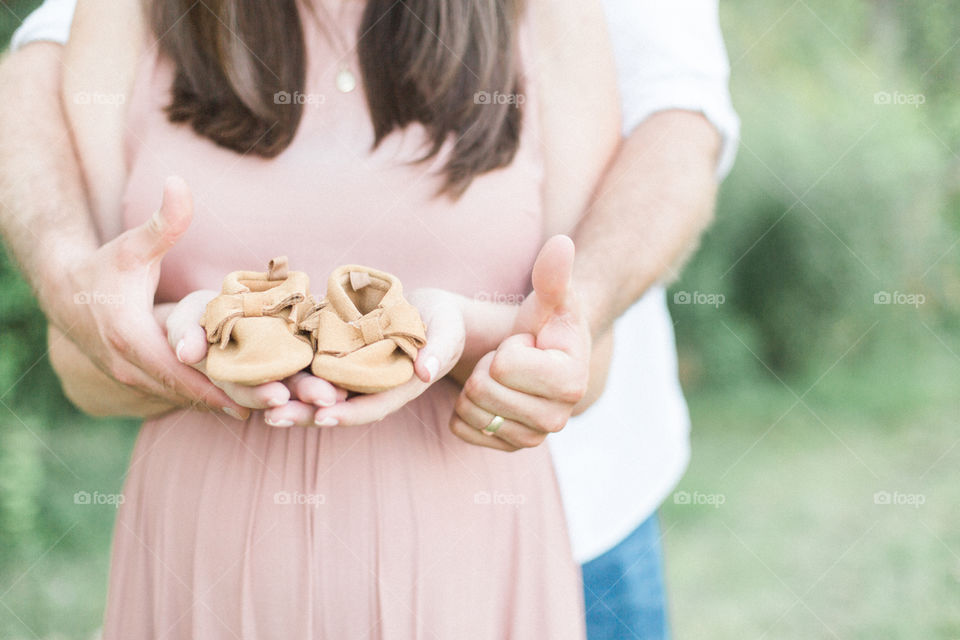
(616, 462)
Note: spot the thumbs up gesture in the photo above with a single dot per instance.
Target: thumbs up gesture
(113, 320)
(529, 386)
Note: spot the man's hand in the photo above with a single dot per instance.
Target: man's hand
(114, 323)
(537, 376)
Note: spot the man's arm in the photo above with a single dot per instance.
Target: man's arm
(650, 208)
(46, 223)
(649, 211)
(43, 210)
(652, 204)
(681, 138)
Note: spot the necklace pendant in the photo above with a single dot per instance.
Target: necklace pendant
(346, 81)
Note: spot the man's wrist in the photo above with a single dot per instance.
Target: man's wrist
(654, 202)
(54, 279)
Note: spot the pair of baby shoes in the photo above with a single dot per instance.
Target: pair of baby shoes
(363, 336)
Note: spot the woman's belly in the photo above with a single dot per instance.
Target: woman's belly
(330, 529)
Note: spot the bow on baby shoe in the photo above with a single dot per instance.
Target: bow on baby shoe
(365, 334)
(330, 334)
(253, 294)
(254, 322)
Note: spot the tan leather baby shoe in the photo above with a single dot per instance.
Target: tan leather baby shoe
(253, 326)
(365, 334)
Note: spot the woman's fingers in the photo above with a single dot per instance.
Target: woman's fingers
(264, 396)
(445, 333)
(364, 409)
(307, 392)
(184, 331)
(310, 389)
(292, 414)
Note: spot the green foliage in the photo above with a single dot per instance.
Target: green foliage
(25, 375)
(836, 196)
(12, 13)
(800, 547)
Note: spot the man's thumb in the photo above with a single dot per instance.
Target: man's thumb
(560, 323)
(552, 273)
(151, 240)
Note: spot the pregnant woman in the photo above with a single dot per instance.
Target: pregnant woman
(440, 140)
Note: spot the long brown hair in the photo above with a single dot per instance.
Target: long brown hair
(436, 62)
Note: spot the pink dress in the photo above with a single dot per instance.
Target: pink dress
(395, 530)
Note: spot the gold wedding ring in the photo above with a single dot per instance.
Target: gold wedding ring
(495, 424)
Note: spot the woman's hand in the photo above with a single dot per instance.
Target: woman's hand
(441, 312)
(189, 341)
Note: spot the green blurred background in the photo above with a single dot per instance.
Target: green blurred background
(825, 421)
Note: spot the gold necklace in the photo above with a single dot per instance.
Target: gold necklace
(345, 81)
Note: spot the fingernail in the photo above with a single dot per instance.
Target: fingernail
(233, 413)
(322, 402)
(276, 402)
(279, 423)
(158, 221)
(327, 422)
(433, 367)
(179, 349)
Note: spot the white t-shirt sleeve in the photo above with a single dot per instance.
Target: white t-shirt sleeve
(670, 55)
(50, 23)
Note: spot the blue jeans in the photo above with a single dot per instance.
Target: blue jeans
(624, 589)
